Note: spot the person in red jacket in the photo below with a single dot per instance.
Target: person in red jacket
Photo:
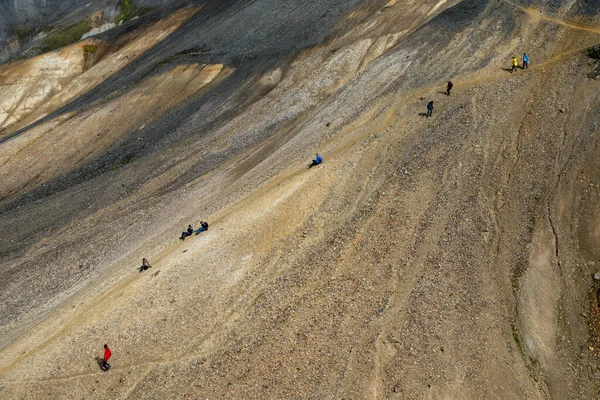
(107, 354)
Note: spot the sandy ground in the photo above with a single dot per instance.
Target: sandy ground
(442, 257)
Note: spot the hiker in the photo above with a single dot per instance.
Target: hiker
(449, 87)
(107, 355)
(145, 265)
(203, 227)
(187, 233)
(525, 61)
(429, 108)
(515, 64)
(318, 160)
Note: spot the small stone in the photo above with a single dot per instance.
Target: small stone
(591, 348)
(397, 389)
(597, 276)
(562, 110)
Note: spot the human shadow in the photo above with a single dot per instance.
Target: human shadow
(100, 362)
(506, 69)
(422, 114)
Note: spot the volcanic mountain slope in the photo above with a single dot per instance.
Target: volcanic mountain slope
(441, 257)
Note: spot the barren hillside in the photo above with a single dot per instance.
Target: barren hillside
(442, 257)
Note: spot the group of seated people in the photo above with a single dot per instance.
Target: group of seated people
(190, 230)
(204, 225)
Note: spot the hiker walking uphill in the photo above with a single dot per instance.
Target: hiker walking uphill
(515, 64)
(429, 109)
(318, 160)
(449, 87)
(187, 233)
(107, 354)
(525, 61)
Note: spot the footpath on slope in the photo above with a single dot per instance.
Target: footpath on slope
(481, 77)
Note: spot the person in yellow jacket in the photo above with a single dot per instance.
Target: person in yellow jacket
(515, 64)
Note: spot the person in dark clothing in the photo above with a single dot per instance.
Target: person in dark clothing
(107, 355)
(203, 227)
(318, 160)
(187, 233)
(449, 87)
(429, 108)
(145, 265)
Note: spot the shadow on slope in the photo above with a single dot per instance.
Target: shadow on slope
(126, 166)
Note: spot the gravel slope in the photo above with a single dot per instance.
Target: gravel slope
(443, 257)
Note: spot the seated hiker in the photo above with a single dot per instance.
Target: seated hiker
(187, 233)
(203, 227)
(318, 160)
(145, 265)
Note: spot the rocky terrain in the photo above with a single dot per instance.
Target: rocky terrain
(450, 256)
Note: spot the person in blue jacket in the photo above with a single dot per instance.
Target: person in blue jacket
(318, 160)
(525, 61)
(429, 109)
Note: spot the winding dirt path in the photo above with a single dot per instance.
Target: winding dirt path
(372, 121)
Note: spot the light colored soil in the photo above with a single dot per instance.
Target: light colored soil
(442, 257)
